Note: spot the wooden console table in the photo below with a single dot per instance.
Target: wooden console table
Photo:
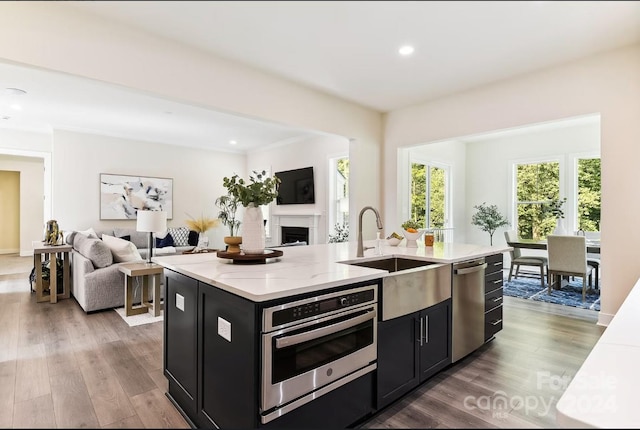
(39, 249)
(146, 271)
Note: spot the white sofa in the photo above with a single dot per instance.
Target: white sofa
(97, 282)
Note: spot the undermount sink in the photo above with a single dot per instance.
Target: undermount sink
(392, 264)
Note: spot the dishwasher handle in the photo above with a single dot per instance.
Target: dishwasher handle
(472, 269)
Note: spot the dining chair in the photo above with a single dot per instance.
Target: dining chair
(568, 257)
(517, 259)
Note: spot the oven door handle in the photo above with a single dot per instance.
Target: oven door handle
(295, 339)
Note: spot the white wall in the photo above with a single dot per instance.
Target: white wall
(31, 198)
(607, 84)
(80, 158)
(55, 36)
(489, 174)
(29, 153)
(314, 152)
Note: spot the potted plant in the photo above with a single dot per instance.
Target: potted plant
(259, 190)
(489, 219)
(554, 207)
(228, 207)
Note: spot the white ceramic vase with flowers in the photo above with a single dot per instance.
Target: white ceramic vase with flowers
(411, 231)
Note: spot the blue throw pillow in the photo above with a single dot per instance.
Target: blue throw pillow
(193, 238)
(165, 241)
(126, 238)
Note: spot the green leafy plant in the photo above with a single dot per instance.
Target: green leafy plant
(410, 224)
(554, 207)
(342, 233)
(259, 190)
(489, 219)
(228, 207)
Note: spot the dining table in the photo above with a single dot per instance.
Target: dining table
(593, 247)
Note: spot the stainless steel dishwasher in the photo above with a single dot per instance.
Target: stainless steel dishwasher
(467, 296)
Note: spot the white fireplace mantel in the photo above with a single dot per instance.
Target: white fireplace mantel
(309, 221)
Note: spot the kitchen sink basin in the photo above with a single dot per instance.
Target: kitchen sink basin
(410, 285)
(392, 264)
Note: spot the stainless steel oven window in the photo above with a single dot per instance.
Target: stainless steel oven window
(275, 394)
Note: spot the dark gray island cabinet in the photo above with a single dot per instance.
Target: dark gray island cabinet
(213, 362)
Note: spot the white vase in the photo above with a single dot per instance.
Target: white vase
(559, 230)
(253, 235)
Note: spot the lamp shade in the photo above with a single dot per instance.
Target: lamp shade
(152, 221)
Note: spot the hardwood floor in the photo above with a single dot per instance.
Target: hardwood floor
(62, 368)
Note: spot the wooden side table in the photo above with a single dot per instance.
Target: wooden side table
(147, 272)
(40, 249)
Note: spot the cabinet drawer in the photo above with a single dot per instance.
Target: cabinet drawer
(492, 322)
(492, 282)
(494, 263)
(492, 299)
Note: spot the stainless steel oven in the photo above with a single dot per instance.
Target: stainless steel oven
(315, 345)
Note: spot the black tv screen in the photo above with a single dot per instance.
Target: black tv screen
(296, 187)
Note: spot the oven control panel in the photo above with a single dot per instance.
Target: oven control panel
(321, 306)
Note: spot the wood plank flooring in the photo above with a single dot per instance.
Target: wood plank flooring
(62, 368)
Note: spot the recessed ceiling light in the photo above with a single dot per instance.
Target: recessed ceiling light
(15, 91)
(232, 142)
(406, 50)
(16, 107)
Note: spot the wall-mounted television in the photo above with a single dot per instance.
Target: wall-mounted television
(296, 187)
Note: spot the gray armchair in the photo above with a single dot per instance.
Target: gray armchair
(517, 259)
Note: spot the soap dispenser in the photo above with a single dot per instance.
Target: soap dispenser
(378, 244)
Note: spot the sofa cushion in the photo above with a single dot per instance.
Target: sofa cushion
(180, 235)
(90, 232)
(165, 241)
(94, 249)
(139, 238)
(121, 249)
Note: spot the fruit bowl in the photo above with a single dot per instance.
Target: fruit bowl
(412, 237)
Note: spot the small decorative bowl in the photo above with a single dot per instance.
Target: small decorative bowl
(412, 238)
(394, 241)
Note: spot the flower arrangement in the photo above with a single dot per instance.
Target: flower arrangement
(259, 190)
(201, 224)
(554, 207)
(411, 226)
(342, 233)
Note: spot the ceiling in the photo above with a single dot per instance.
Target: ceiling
(344, 48)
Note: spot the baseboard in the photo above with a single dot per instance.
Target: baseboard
(604, 319)
(9, 251)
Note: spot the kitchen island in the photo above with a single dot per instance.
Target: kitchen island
(219, 348)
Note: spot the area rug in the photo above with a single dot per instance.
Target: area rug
(569, 295)
(134, 320)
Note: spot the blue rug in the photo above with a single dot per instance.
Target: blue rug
(569, 295)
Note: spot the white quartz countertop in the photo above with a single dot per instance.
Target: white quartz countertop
(303, 269)
(603, 392)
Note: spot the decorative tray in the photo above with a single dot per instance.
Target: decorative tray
(242, 258)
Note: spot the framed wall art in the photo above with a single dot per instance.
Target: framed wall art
(121, 196)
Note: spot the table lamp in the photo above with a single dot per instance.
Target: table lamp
(152, 222)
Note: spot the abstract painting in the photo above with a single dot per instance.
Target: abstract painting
(121, 196)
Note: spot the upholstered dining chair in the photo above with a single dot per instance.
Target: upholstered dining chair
(517, 259)
(568, 257)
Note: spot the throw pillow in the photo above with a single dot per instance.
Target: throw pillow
(180, 235)
(164, 242)
(121, 249)
(94, 249)
(193, 238)
(90, 232)
(127, 237)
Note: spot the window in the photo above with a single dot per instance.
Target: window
(429, 185)
(537, 182)
(589, 194)
(338, 194)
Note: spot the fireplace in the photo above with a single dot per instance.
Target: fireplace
(294, 234)
(297, 224)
